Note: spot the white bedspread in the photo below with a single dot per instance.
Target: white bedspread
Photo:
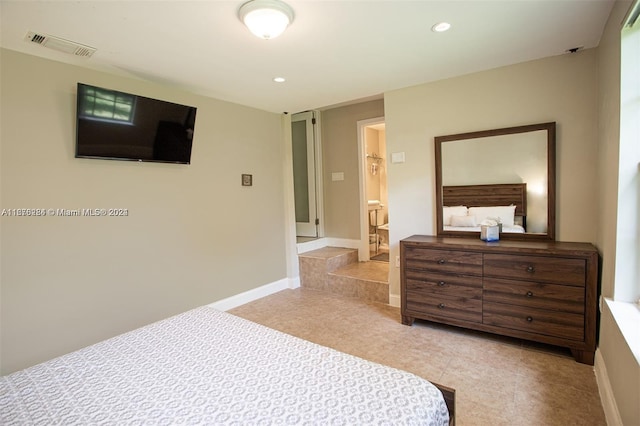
(209, 367)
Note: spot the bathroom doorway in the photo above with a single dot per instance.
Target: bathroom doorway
(374, 230)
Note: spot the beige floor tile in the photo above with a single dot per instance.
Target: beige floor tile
(558, 404)
(545, 367)
(472, 413)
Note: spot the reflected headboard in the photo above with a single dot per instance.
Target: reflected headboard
(504, 194)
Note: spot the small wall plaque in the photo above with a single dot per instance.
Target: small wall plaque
(247, 180)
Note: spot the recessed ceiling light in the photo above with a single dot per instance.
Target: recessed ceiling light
(279, 79)
(441, 27)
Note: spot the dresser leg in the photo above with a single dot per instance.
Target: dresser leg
(584, 357)
(407, 320)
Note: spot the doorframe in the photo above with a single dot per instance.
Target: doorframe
(318, 173)
(363, 247)
(317, 129)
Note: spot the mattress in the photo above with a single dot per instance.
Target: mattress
(210, 367)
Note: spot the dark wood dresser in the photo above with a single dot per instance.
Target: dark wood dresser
(544, 291)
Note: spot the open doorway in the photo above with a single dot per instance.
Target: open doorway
(374, 210)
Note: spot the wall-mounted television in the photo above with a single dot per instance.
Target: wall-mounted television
(115, 125)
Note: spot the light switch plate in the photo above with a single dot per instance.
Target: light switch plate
(337, 176)
(397, 157)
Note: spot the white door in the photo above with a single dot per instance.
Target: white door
(304, 173)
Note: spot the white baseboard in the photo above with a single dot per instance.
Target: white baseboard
(609, 405)
(294, 282)
(312, 245)
(255, 294)
(363, 250)
(327, 242)
(394, 300)
(343, 242)
(330, 242)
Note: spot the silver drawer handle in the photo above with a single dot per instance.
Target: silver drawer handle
(529, 294)
(529, 319)
(531, 269)
(441, 306)
(441, 283)
(441, 261)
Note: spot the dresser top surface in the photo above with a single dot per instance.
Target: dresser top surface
(511, 246)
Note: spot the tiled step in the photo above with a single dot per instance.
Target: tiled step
(364, 280)
(315, 265)
(337, 270)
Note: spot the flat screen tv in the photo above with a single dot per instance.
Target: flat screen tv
(120, 126)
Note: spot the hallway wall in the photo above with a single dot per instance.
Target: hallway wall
(340, 154)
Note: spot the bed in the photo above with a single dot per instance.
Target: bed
(466, 207)
(210, 367)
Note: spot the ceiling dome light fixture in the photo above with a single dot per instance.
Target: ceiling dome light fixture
(266, 19)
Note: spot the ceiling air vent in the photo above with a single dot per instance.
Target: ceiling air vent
(60, 44)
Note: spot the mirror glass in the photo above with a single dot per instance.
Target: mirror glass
(510, 167)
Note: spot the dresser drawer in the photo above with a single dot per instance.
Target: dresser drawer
(534, 295)
(540, 321)
(445, 306)
(442, 280)
(459, 262)
(557, 270)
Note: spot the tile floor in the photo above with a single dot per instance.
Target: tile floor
(498, 381)
(382, 255)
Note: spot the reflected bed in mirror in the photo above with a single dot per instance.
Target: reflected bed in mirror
(467, 207)
(506, 175)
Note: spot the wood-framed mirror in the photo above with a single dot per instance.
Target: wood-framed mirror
(506, 174)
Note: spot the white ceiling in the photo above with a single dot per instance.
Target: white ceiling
(336, 51)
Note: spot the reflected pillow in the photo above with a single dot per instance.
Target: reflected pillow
(463, 221)
(447, 212)
(504, 214)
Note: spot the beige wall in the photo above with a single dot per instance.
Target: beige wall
(609, 138)
(619, 361)
(191, 231)
(560, 89)
(340, 154)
